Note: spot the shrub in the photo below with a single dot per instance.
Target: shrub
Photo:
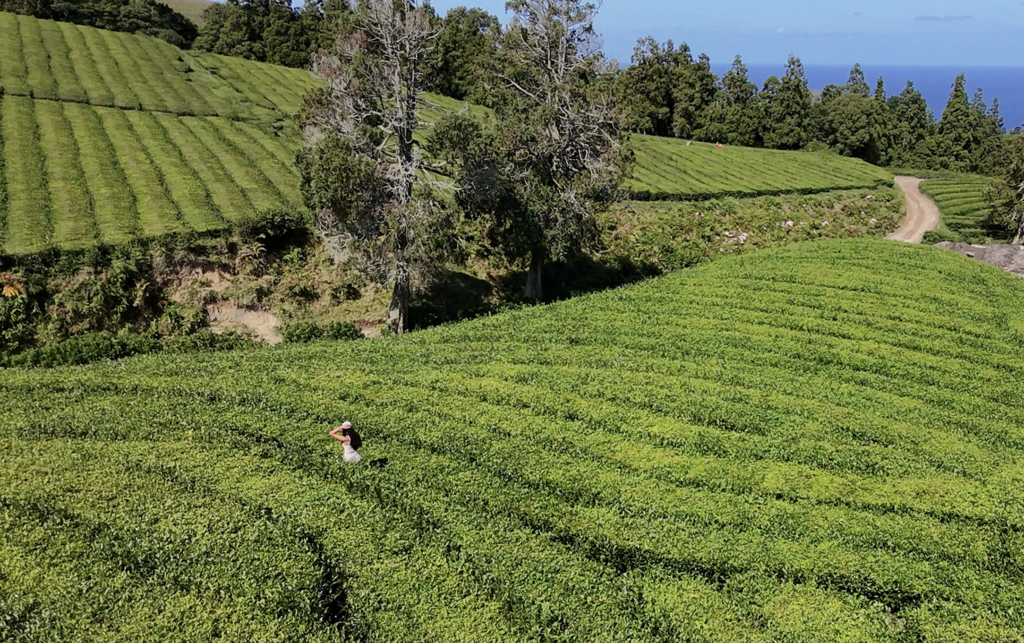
(302, 333)
(342, 331)
(269, 226)
(180, 319)
(209, 341)
(104, 345)
(938, 236)
(87, 348)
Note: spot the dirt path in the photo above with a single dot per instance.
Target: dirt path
(922, 213)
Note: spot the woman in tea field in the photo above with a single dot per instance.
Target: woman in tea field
(350, 440)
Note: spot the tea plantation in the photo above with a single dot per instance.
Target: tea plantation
(821, 442)
(669, 169)
(106, 136)
(964, 208)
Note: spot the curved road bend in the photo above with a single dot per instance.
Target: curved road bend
(922, 213)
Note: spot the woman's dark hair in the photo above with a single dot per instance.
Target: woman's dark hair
(356, 442)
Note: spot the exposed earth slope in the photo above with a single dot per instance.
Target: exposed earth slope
(817, 443)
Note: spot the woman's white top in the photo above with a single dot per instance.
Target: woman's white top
(351, 455)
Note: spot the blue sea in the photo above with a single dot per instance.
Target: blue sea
(934, 83)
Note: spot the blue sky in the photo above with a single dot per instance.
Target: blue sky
(878, 32)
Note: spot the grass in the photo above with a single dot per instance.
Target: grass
(961, 201)
(820, 442)
(670, 235)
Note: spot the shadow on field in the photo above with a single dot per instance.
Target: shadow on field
(453, 296)
(456, 296)
(577, 276)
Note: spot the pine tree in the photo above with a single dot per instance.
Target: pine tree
(741, 107)
(787, 117)
(466, 48)
(363, 172)
(644, 92)
(910, 127)
(856, 83)
(556, 158)
(694, 93)
(957, 133)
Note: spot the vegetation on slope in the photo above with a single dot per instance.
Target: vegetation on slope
(965, 209)
(666, 235)
(144, 17)
(191, 9)
(669, 169)
(820, 442)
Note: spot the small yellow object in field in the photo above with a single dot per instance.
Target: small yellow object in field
(11, 291)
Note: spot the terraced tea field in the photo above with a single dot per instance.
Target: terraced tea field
(59, 61)
(815, 443)
(962, 204)
(669, 169)
(78, 175)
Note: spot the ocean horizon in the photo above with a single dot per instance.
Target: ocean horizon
(934, 82)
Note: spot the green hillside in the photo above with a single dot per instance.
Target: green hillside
(816, 443)
(668, 168)
(105, 136)
(964, 209)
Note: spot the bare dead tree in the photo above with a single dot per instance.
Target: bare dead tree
(364, 175)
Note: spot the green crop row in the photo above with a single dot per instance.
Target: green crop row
(29, 225)
(76, 175)
(821, 442)
(964, 207)
(671, 169)
(60, 61)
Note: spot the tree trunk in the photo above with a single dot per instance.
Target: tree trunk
(398, 313)
(534, 280)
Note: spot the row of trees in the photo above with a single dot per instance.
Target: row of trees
(666, 92)
(388, 199)
(459, 63)
(146, 17)
(271, 31)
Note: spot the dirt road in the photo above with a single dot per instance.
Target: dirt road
(922, 213)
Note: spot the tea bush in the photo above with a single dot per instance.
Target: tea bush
(965, 211)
